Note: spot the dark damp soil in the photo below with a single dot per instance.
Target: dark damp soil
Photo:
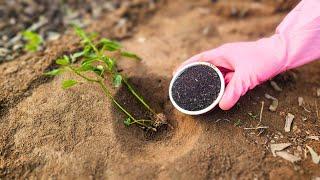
(154, 92)
(196, 88)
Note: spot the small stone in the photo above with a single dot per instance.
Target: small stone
(53, 36)
(300, 101)
(17, 47)
(4, 51)
(4, 38)
(12, 21)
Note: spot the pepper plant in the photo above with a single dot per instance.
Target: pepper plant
(96, 64)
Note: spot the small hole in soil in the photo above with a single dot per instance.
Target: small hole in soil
(196, 88)
(156, 96)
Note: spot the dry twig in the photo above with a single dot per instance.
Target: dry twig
(317, 112)
(261, 111)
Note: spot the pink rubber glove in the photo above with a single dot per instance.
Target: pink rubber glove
(247, 64)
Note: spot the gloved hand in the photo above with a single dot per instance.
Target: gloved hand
(247, 64)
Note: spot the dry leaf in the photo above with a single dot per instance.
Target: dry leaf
(289, 120)
(315, 157)
(278, 147)
(273, 107)
(287, 156)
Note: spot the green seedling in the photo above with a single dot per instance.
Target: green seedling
(97, 63)
(33, 41)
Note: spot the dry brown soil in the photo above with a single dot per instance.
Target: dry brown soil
(48, 132)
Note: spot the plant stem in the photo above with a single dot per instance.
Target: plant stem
(81, 75)
(138, 97)
(107, 92)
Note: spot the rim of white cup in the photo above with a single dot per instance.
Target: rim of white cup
(207, 109)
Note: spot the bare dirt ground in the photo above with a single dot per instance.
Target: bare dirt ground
(46, 132)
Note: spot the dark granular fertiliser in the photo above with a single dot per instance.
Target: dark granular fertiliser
(196, 88)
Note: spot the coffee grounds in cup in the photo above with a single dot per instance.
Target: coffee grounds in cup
(196, 88)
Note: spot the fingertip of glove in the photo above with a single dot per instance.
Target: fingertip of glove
(224, 106)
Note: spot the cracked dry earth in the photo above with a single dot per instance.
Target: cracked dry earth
(46, 132)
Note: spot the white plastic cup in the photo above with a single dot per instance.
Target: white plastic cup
(207, 109)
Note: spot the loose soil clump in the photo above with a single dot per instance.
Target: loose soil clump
(196, 88)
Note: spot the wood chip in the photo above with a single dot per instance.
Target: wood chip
(274, 105)
(278, 147)
(317, 138)
(287, 156)
(261, 111)
(289, 120)
(315, 157)
(300, 101)
(317, 112)
(275, 86)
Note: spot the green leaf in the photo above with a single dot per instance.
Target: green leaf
(109, 61)
(87, 50)
(89, 61)
(109, 45)
(127, 122)
(83, 35)
(86, 67)
(53, 72)
(63, 61)
(68, 83)
(80, 32)
(117, 80)
(33, 41)
(76, 55)
(130, 55)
